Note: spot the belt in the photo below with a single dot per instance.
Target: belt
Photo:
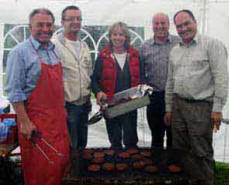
(158, 92)
(188, 100)
(81, 101)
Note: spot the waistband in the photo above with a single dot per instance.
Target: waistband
(158, 92)
(188, 100)
(81, 101)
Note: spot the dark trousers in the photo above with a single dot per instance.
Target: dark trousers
(77, 118)
(155, 118)
(123, 129)
(192, 134)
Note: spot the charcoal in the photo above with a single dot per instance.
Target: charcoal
(10, 174)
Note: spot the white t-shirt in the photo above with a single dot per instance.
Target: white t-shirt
(121, 59)
(75, 46)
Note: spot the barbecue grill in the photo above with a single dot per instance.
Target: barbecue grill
(78, 173)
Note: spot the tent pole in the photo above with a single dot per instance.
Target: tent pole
(1, 57)
(204, 19)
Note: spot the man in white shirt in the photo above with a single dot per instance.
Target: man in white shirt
(77, 69)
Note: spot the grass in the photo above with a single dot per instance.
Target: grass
(221, 173)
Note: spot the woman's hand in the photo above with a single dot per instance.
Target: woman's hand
(100, 97)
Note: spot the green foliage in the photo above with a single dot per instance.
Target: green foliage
(221, 173)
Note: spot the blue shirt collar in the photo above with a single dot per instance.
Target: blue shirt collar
(37, 44)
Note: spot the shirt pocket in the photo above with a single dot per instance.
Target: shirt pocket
(199, 62)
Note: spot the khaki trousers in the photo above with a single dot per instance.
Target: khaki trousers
(192, 132)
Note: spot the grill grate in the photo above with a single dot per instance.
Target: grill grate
(79, 173)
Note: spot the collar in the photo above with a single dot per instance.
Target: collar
(107, 52)
(194, 41)
(63, 39)
(168, 40)
(37, 44)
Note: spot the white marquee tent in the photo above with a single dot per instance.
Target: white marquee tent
(212, 17)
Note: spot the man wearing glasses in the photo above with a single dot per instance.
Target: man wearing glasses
(77, 68)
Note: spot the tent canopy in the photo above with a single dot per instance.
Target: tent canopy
(212, 19)
(100, 12)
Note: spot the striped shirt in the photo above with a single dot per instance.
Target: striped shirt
(155, 58)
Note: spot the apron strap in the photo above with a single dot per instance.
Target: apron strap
(38, 54)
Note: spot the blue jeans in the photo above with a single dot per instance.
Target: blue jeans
(77, 118)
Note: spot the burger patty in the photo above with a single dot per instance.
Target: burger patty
(146, 153)
(151, 169)
(138, 165)
(124, 155)
(174, 169)
(121, 166)
(108, 166)
(99, 154)
(93, 167)
(98, 160)
(137, 157)
(132, 151)
(109, 152)
(87, 156)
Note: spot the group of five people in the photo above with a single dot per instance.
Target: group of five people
(49, 87)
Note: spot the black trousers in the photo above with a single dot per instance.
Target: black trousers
(123, 130)
(155, 118)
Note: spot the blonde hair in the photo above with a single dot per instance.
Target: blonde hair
(125, 30)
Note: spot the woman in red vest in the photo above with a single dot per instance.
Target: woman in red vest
(118, 68)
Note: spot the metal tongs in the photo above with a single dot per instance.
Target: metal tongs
(98, 115)
(37, 135)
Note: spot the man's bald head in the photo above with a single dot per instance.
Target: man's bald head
(160, 26)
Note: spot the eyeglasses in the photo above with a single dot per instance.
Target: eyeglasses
(71, 19)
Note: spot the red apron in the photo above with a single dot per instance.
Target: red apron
(45, 108)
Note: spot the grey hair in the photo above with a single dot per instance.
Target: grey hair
(43, 11)
(160, 13)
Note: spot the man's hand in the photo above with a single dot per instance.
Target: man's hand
(27, 129)
(216, 120)
(168, 118)
(101, 96)
(88, 106)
